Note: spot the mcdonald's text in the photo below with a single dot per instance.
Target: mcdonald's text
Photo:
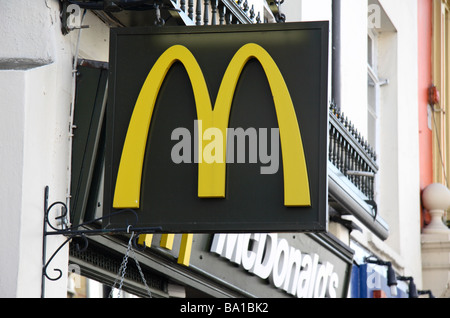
(287, 268)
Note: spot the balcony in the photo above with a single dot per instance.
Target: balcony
(352, 170)
(351, 154)
(121, 13)
(214, 12)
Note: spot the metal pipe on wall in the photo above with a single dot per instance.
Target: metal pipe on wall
(336, 53)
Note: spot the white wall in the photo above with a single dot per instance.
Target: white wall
(22, 26)
(398, 195)
(403, 14)
(11, 161)
(35, 94)
(34, 143)
(36, 91)
(306, 10)
(354, 62)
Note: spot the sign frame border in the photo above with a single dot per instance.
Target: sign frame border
(322, 215)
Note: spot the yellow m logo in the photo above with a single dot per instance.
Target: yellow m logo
(211, 176)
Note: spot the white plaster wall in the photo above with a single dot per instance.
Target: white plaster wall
(33, 155)
(21, 28)
(398, 195)
(306, 10)
(35, 96)
(317, 10)
(403, 14)
(354, 62)
(292, 9)
(36, 91)
(46, 162)
(94, 41)
(11, 161)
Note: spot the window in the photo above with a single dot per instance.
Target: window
(374, 84)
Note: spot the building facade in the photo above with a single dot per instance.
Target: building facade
(433, 43)
(54, 70)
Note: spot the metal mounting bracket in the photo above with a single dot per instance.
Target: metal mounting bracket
(83, 231)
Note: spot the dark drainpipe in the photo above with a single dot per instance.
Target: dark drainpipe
(336, 53)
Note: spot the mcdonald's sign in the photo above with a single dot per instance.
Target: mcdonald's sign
(182, 91)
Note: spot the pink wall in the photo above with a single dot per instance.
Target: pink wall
(425, 32)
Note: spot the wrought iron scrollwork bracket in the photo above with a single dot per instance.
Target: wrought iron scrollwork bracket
(82, 231)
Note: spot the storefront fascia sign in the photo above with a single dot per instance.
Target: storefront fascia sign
(270, 257)
(177, 93)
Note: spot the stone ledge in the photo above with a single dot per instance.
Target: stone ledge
(22, 64)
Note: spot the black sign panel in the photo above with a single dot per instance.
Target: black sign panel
(219, 129)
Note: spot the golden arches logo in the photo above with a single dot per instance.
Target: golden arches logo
(212, 176)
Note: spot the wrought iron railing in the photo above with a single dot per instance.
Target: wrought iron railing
(124, 13)
(351, 154)
(220, 12)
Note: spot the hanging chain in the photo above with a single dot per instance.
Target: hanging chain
(149, 293)
(123, 269)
